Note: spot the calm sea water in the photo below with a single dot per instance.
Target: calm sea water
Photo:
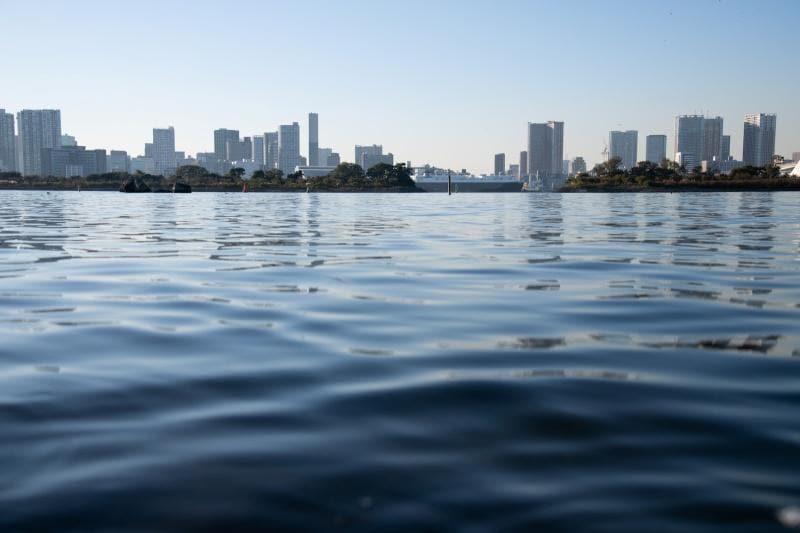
(399, 362)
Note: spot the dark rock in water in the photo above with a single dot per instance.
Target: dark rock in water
(132, 185)
(128, 185)
(181, 187)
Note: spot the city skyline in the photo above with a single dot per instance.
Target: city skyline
(409, 96)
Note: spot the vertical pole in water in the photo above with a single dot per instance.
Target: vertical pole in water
(448, 183)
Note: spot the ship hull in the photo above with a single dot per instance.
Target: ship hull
(464, 186)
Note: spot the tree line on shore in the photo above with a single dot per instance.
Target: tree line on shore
(669, 175)
(345, 177)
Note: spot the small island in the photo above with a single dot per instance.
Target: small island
(347, 177)
(670, 177)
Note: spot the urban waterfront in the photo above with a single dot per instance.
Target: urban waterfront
(399, 362)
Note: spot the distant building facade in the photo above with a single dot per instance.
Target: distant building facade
(370, 160)
(259, 152)
(624, 145)
(271, 150)
(523, 164)
(72, 161)
(288, 147)
(38, 129)
(712, 139)
(8, 142)
(164, 159)
(118, 161)
(689, 140)
(656, 148)
(499, 164)
(578, 166)
(725, 151)
(545, 148)
(361, 151)
(313, 139)
(221, 138)
(759, 139)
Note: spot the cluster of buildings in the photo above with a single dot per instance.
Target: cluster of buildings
(35, 146)
(700, 141)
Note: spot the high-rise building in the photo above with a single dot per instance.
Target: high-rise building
(164, 160)
(795, 156)
(8, 148)
(523, 164)
(271, 149)
(759, 139)
(38, 129)
(513, 170)
(578, 165)
(259, 152)
(499, 164)
(72, 161)
(334, 160)
(221, 138)
(545, 149)
(712, 139)
(247, 149)
(625, 146)
(726, 148)
(313, 139)
(118, 161)
(370, 160)
(361, 151)
(68, 140)
(288, 147)
(322, 156)
(689, 140)
(656, 148)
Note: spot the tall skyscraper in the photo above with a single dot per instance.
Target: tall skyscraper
(795, 156)
(578, 165)
(545, 149)
(164, 161)
(271, 149)
(712, 139)
(499, 164)
(726, 148)
(624, 145)
(8, 148)
(656, 148)
(523, 164)
(689, 140)
(221, 138)
(313, 139)
(361, 151)
(759, 139)
(288, 147)
(259, 151)
(38, 129)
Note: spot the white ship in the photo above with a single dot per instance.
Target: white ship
(431, 179)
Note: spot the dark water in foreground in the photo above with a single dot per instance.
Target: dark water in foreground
(399, 362)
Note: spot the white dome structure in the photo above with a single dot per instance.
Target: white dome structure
(796, 172)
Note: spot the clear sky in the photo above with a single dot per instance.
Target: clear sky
(448, 82)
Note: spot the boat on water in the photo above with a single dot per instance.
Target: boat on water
(432, 179)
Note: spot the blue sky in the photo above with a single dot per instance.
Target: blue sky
(439, 81)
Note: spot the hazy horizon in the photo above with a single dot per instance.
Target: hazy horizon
(441, 83)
